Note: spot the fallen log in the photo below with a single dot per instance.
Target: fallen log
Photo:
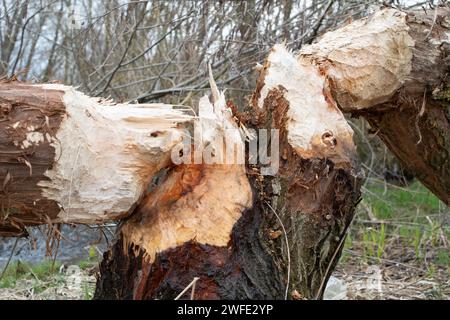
(69, 158)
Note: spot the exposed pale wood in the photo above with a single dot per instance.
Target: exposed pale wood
(202, 200)
(367, 68)
(315, 126)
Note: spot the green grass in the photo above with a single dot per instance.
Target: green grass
(38, 274)
(388, 202)
(407, 218)
(442, 257)
(44, 275)
(374, 241)
(88, 292)
(405, 232)
(92, 260)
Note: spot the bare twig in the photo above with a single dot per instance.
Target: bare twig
(192, 284)
(9, 258)
(287, 249)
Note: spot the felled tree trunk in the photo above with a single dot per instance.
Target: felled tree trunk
(69, 158)
(393, 69)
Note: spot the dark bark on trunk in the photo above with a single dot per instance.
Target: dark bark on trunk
(421, 142)
(23, 165)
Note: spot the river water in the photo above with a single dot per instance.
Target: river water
(76, 245)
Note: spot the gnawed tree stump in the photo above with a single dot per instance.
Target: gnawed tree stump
(244, 234)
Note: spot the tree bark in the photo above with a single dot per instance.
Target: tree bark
(27, 115)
